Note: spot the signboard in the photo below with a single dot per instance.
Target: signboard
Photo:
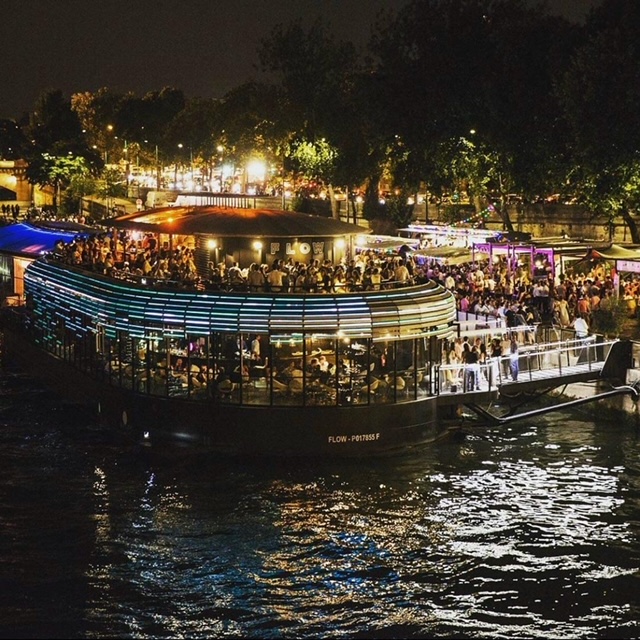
(630, 266)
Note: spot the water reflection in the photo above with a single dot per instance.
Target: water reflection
(527, 530)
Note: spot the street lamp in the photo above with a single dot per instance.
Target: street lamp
(220, 150)
(175, 169)
(157, 167)
(106, 142)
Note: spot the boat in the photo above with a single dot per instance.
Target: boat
(339, 371)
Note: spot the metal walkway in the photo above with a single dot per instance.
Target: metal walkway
(541, 365)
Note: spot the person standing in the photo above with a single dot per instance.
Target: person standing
(256, 355)
(514, 365)
(275, 277)
(471, 368)
(495, 355)
(581, 327)
(255, 278)
(562, 307)
(401, 273)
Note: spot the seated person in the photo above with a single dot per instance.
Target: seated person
(292, 370)
(313, 370)
(241, 372)
(178, 366)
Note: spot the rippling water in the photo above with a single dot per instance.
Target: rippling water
(520, 531)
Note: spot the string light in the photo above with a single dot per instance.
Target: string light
(476, 217)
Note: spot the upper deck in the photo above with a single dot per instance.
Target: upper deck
(135, 305)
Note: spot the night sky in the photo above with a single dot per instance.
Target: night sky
(204, 47)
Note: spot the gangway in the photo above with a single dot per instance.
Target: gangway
(544, 367)
(511, 417)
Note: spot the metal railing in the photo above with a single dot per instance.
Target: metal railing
(535, 362)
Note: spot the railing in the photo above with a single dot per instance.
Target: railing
(203, 284)
(535, 362)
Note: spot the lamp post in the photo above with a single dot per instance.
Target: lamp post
(127, 165)
(175, 175)
(157, 169)
(220, 150)
(106, 142)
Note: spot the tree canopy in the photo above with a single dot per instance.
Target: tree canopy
(482, 97)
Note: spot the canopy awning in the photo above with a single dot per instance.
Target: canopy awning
(614, 252)
(450, 255)
(386, 243)
(29, 240)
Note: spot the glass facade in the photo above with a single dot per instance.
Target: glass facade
(239, 348)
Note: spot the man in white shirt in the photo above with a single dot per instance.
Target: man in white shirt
(581, 327)
(255, 349)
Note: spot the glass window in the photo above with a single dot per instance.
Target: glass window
(320, 371)
(287, 370)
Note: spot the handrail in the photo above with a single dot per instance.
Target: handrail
(547, 357)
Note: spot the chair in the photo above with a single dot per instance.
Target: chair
(279, 387)
(398, 382)
(411, 384)
(295, 386)
(370, 388)
(226, 387)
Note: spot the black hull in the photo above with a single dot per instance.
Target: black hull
(353, 431)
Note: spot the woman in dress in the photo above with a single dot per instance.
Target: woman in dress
(562, 308)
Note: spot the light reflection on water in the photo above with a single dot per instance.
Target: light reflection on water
(526, 531)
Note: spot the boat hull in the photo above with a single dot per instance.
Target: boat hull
(334, 431)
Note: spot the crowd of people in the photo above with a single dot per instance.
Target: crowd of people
(12, 210)
(144, 258)
(510, 295)
(499, 290)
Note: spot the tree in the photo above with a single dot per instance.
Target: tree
(56, 172)
(249, 123)
(111, 186)
(58, 146)
(81, 184)
(13, 142)
(449, 67)
(600, 92)
(98, 114)
(470, 168)
(53, 126)
(316, 79)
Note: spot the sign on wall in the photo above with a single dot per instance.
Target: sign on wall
(630, 266)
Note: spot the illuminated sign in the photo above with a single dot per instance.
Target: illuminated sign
(291, 248)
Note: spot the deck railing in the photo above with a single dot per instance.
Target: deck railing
(535, 362)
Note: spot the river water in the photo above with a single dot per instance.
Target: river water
(529, 530)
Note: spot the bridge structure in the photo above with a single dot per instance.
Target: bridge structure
(13, 176)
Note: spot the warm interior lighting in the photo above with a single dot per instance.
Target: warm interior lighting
(256, 170)
(212, 244)
(257, 245)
